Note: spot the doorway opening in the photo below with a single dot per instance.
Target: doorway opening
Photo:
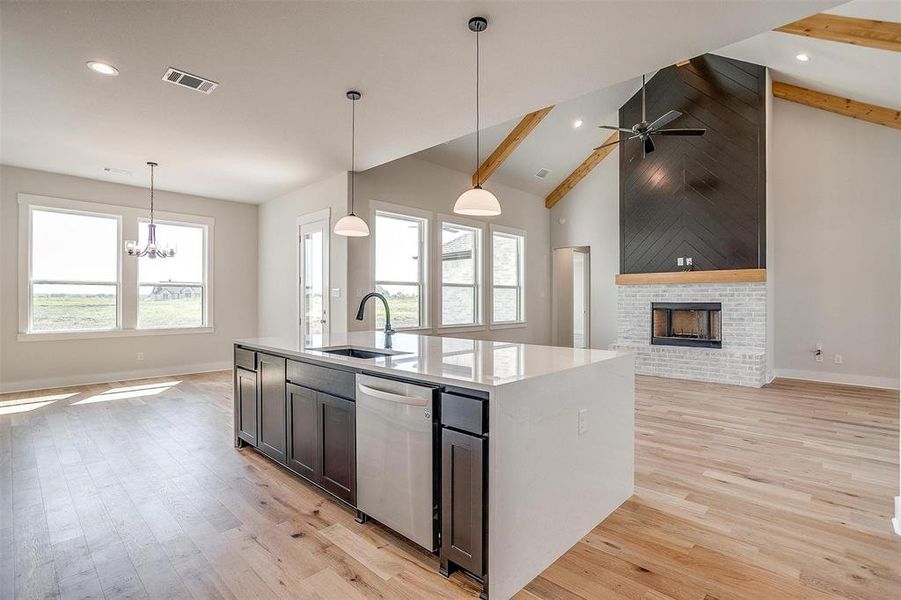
(572, 297)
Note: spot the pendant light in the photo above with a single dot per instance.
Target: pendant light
(476, 201)
(351, 225)
(153, 249)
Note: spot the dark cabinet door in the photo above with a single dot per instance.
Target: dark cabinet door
(462, 497)
(303, 431)
(272, 407)
(337, 446)
(246, 405)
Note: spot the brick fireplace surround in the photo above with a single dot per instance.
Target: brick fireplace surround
(741, 360)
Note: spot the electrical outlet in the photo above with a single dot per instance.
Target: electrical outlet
(680, 262)
(336, 292)
(688, 261)
(837, 359)
(583, 421)
(140, 356)
(819, 356)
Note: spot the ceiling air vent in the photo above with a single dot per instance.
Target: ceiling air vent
(542, 173)
(187, 80)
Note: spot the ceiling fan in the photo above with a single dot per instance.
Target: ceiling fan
(644, 130)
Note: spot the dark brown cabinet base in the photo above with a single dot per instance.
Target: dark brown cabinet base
(322, 441)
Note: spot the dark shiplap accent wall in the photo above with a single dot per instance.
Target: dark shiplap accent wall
(702, 197)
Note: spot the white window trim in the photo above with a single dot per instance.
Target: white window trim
(438, 294)
(523, 321)
(128, 269)
(425, 302)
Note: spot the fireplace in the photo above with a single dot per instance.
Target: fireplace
(696, 324)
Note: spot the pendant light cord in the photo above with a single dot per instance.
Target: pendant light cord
(478, 149)
(353, 135)
(151, 194)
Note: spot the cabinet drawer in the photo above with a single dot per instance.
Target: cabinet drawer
(330, 381)
(466, 414)
(246, 359)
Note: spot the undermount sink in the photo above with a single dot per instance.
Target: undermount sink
(359, 352)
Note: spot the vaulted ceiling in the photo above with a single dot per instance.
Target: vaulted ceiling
(279, 118)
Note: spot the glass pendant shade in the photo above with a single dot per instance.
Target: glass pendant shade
(477, 202)
(351, 226)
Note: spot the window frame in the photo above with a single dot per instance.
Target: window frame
(425, 219)
(86, 211)
(521, 288)
(204, 227)
(479, 286)
(127, 292)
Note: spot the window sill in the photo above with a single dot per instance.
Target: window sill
(458, 329)
(509, 325)
(52, 336)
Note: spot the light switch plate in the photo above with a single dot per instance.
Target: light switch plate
(583, 421)
(680, 262)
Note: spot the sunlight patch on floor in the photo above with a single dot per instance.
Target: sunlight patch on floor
(134, 391)
(20, 405)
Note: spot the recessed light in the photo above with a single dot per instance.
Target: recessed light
(802, 57)
(577, 123)
(103, 68)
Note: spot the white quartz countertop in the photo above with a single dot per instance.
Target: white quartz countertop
(478, 364)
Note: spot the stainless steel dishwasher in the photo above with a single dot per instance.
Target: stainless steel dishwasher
(394, 456)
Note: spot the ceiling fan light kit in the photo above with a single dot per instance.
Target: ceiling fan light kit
(350, 225)
(476, 201)
(645, 131)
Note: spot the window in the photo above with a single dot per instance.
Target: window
(76, 281)
(400, 268)
(461, 273)
(507, 260)
(172, 291)
(72, 289)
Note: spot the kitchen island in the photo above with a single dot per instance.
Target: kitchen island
(497, 456)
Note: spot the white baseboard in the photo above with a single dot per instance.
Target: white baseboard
(66, 381)
(896, 522)
(841, 378)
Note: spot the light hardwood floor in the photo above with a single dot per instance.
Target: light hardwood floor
(134, 489)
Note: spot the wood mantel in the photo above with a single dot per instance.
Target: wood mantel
(722, 276)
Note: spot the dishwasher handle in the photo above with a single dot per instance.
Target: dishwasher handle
(392, 397)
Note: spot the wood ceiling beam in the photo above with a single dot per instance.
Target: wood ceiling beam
(506, 147)
(581, 171)
(872, 113)
(884, 35)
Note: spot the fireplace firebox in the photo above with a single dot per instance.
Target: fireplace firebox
(696, 324)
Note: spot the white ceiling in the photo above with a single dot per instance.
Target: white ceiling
(279, 118)
(864, 74)
(554, 144)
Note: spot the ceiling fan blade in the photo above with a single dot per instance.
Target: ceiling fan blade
(615, 128)
(617, 141)
(684, 131)
(665, 120)
(648, 145)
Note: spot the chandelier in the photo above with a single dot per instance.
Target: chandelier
(152, 249)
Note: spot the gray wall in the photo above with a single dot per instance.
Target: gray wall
(38, 364)
(836, 212)
(425, 186)
(278, 285)
(591, 218)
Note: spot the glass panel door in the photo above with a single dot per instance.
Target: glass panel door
(313, 279)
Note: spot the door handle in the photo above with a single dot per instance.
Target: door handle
(392, 397)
